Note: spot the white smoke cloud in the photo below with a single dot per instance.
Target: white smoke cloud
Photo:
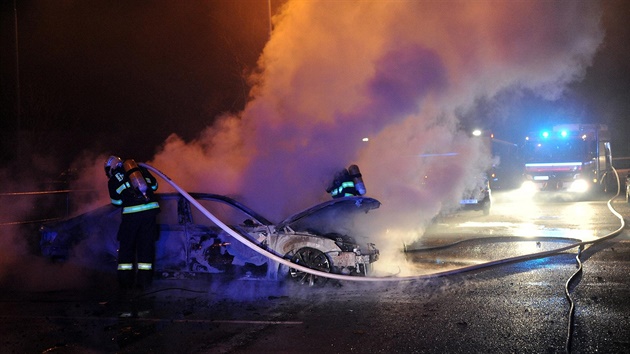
(20, 207)
(397, 72)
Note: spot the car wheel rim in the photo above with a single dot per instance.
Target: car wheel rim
(310, 258)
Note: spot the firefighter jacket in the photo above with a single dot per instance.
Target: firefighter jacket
(124, 194)
(342, 185)
(345, 189)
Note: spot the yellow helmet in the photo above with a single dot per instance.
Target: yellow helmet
(111, 164)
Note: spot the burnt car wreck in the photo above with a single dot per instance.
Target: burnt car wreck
(478, 198)
(320, 238)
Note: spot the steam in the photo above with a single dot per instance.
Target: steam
(400, 73)
(20, 266)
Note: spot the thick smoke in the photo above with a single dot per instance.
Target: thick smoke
(396, 72)
(20, 266)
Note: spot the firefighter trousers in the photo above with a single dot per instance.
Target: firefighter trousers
(137, 235)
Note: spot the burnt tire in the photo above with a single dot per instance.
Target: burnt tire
(310, 258)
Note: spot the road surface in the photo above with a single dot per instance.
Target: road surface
(517, 307)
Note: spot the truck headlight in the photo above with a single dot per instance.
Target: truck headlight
(527, 190)
(579, 186)
(529, 187)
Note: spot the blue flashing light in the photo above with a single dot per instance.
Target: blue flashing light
(545, 134)
(563, 133)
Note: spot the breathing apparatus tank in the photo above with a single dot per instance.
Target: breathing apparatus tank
(355, 173)
(135, 177)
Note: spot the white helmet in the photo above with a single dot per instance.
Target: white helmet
(111, 164)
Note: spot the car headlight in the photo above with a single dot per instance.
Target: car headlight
(579, 186)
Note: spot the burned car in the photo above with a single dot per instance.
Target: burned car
(320, 238)
(479, 198)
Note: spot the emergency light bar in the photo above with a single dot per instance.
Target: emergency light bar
(546, 134)
(564, 131)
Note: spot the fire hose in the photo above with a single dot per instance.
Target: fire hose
(299, 267)
(581, 245)
(578, 243)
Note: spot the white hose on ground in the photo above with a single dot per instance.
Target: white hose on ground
(290, 264)
(573, 277)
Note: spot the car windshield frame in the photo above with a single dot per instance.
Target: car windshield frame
(219, 198)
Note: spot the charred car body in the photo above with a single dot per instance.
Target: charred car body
(479, 198)
(319, 238)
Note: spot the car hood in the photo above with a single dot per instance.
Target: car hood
(334, 216)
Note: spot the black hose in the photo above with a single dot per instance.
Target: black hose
(580, 244)
(571, 303)
(579, 271)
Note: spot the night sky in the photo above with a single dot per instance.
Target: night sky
(121, 76)
(602, 96)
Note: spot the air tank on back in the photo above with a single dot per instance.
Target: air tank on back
(135, 177)
(355, 173)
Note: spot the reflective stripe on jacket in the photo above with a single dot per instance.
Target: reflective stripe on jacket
(125, 266)
(140, 207)
(123, 194)
(141, 266)
(340, 189)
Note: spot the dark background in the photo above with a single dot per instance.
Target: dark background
(121, 76)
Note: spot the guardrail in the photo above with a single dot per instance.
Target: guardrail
(48, 213)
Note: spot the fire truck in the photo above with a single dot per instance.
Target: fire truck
(571, 158)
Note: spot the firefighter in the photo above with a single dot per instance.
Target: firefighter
(347, 183)
(131, 187)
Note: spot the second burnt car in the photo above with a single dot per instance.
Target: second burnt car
(478, 198)
(322, 238)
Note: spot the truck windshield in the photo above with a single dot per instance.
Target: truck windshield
(556, 150)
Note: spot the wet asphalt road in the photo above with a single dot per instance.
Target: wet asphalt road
(518, 307)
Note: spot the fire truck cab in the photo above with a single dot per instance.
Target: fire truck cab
(572, 158)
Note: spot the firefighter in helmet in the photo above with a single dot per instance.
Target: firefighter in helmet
(347, 183)
(131, 187)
